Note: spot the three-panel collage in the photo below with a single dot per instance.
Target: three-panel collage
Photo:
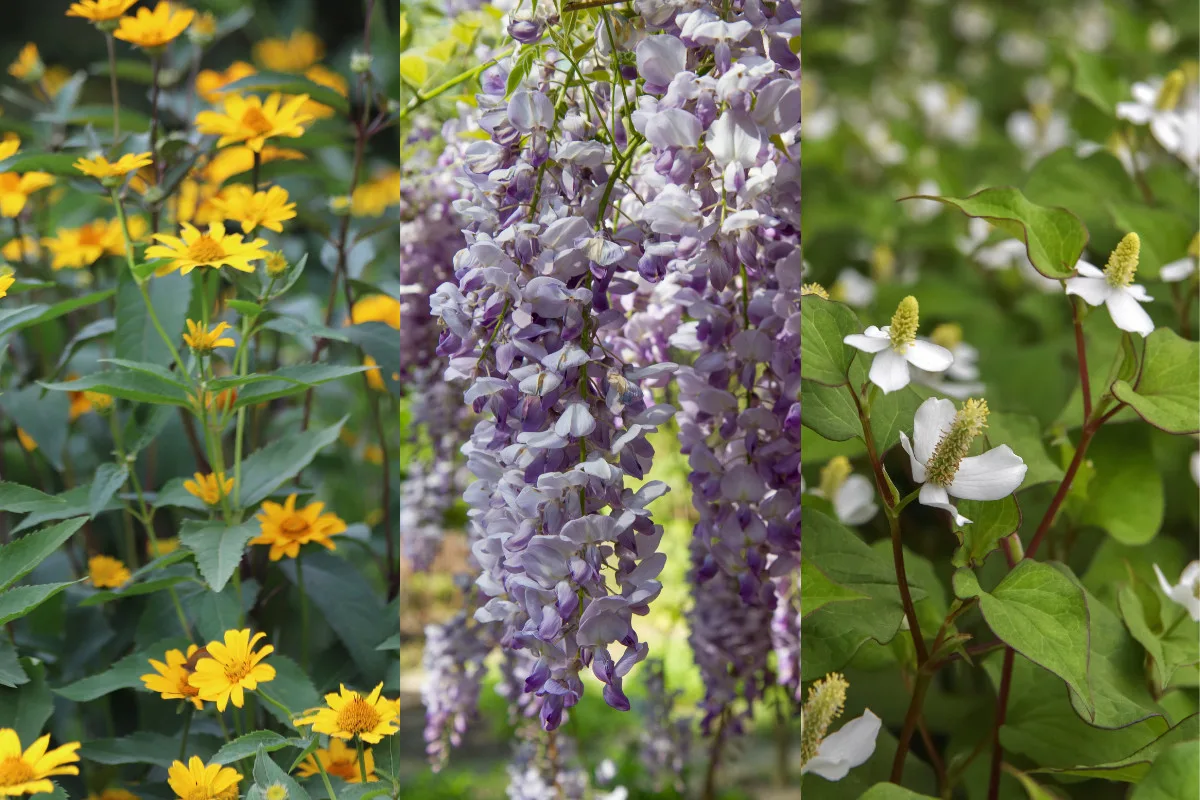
(455, 400)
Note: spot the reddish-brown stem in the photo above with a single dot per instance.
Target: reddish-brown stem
(1001, 711)
(910, 723)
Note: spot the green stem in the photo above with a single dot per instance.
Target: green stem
(240, 429)
(112, 75)
(362, 759)
(421, 98)
(287, 712)
(303, 611)
(325, 778)
(187, 727)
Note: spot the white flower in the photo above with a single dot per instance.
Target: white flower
(1038, 133)
(1178, 270)
(1114, 288)
(1155, 104)
(896, 347)
(937, 454)
(852, 496)
(1187, 592)
(846, 748)
(962, 378)
(854, 289)
(1194, 466)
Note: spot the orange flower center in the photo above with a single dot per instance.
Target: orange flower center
(254, 119)
(343, 768)
(14, 772)
(236, 671)
(183, 687)
(294, 526)
(357, 716)
(91, 236)
(10, 182)
(206, 250)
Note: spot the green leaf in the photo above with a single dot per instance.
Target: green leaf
(125, 674)
(381, 342)
(59, 164)
(144, 747)
(13, 319)
(27, 708)
(1164, 234)
(266, 81)
(267, 774)
(20, 557)
(289, 381)
(282, 460)
(830, 411)
(1167, 393)
(43, 415)
(1125, 497)
(141, 387)
(136, 338)
(18, 499)
(1032, 788)
(1038, 611)
(12, 674)
(108, 481)
(1097, 79)
(890, 791)
(1170, 646)
(991, 521)
(292, 687)
(393, 641)
(1054, 237)
(1023, 434)
(1086, 186)
(18, 602)
(246, 308)
(824, 357)
(1133, 767)
(816, 590)
(134, 589)
(1172, 775)
(248, 745)
(218, 547)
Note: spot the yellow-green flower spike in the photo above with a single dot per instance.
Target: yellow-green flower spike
(904, 323)
(1123, 263)
(833, 475)
(883, 263)
(815, 289)
(949, 335)
(826, 698)
(970, 420)
(1171, 90)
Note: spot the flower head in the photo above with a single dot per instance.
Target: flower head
(205, 341)
(295, 54)
(896, 347)
(252, 209)
(1114, 287)
(1187, 592)
(209, 488)
(833, 756)
(852, 496)
(16, 189)
(285, 528)
(28, 67)
(7, 279)
(232, 667)
(942, 437)
(100, 168)
(107, 572)
(152, 30)
(326, 77)
(170, 680)
(347, 714)
(198, 781)
(212, 249)
(341, 760)
(99, 10)
(251, 120)
(29, 772)
(76, 248)
(276, 263)
(210, 83)
(1183, 268)
(376, 308)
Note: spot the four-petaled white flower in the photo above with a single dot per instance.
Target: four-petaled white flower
(1183, 268)
(939, 460)
(846, 748)
(1114, 287)
(1156, 103)
(852, 496)
(1187, 592)
(896, 347)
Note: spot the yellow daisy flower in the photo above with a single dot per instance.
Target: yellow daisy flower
(209, 488)
(276, 263)
(9, 145)
(326, 77)
(26, 440)
(231, 668)
(106, 572)
(294, 54)
(28, 67)
(114, 794)
(376, 308)
(99, 10)
(55, 78)
(204, 28)
(285, 528)
(155, 29)
(170, 680)
(340, 760)
(26, 248)
(76, 248)
(269, 208)
(237, 160)
(160, 547)
(198, 781)
(15, 190)
(348, 714)
(373, 198)
(213, 249)
(251, 120)
(29, 772)
(100, 168)
(97, 401)
(114, 237)
(205, 341)
(6, 282)
(209, 82)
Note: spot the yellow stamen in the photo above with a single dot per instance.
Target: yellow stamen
(952, 448)
(833, 475)
(814, 288)
(826, 699)
(949, 335)
(904, 323)
(1170, 91)
(1123, 262)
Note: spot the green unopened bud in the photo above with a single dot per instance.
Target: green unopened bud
(952, 448)
(833, 475)
(904, 323)
(814, 288)
(948, 335)
(1123, 262)
(1170, 91)
(826, 698)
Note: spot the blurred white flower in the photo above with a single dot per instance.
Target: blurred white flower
(852, 496)
(853, 288)
(846, 748)
(1187, 592)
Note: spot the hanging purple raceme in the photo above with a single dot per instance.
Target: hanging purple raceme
(454, 672)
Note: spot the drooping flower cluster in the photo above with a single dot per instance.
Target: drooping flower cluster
(454, 671)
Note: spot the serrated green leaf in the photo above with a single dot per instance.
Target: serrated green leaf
(218, 547)
(18, 499)
(135, 337)
(107, 482)
(19, 601)
(125, 674)
(249, 744)
(20, 557)
(267, 774)
(281, 461)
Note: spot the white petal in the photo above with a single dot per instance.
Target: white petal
(1138, 292)
(1163, 583)
(1094, 291)
(918, 469)
(854, 502)
(935, 496)
(734, 139)
(576, 421)
(868, 343)
(848, 747)
(929, 356)
(931, 422)
(1177, 270)
(1128, 315)
(1134, 112)
(1190, 574)
(1088, 270)
(889, 371)
(994, 475)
